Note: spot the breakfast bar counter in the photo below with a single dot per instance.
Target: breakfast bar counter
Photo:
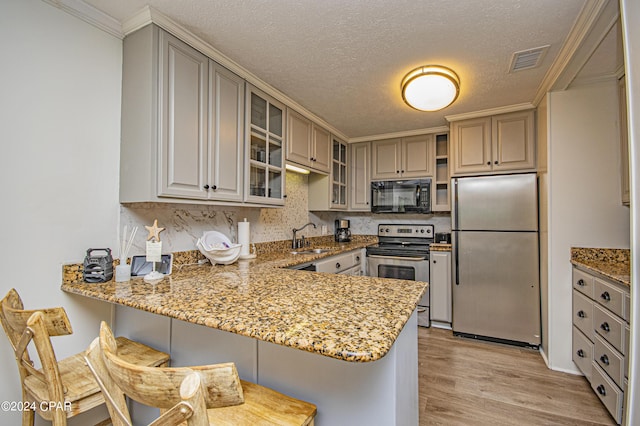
(316, 336)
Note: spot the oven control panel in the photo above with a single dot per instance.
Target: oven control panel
(407, 230)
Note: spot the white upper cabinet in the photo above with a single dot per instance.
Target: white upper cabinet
(226, 134)
(308, 144)
(495, 144)
(265, 173)
(183, 96)
(360, 182)
(329, 192)
(402, 158)
(182, 123)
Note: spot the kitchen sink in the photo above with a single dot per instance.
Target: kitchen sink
(311, 251)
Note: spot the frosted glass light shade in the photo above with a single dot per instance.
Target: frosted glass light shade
(430, 88)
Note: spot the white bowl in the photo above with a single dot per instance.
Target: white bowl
(221, 256)
(214, 240)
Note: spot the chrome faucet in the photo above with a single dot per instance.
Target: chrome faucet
(295, 243)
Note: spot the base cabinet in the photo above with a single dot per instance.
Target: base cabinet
(600, 338)
(440, 288)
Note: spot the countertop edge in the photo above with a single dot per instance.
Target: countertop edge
(384, 344)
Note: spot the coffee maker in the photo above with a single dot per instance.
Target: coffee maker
(342, 232)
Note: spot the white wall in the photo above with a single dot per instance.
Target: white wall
(584, 196)
(60, 125)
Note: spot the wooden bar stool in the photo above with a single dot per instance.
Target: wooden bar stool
(202, 395)
(65, 388)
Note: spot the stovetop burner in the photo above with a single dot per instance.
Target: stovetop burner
(403, 240)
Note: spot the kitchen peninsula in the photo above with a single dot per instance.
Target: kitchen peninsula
(346, 343)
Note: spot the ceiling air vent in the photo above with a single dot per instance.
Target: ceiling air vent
(527, 59)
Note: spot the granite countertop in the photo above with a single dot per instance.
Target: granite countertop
(351, 318)
(611, 263)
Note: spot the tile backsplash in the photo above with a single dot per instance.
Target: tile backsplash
(185, 223)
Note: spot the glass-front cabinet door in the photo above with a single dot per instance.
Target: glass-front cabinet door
(338, 174)
(265, 149)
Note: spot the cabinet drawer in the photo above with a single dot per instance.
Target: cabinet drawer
(626, 350)
(610, 395)
(627, 307)
(583, 282)
(611, 361)
(609, 326)
(583, 314)
(608, 296)
(582, 352)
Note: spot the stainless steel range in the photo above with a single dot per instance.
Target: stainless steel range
(403, 252)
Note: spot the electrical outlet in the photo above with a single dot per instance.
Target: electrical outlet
(324, 229)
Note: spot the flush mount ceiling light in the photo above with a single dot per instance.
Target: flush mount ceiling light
(430, 87)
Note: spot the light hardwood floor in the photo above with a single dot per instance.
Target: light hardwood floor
(468, 382)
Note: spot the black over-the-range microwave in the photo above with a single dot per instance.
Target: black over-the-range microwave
(401, 196)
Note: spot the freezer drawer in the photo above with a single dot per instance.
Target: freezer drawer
(496, 285)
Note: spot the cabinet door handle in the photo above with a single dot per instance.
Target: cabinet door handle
(581, 314)
(605, 296)
(397, 171)
(337, 265)
(488, 163)
(581, 282)
(401, 171)
(605, 327)
(434, 261)
(214, 187)
(605, 359)
(495, 162)
(580, 353)
(601, 390)
(206, 187)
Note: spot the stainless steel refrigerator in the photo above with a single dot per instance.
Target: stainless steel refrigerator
(496, 279)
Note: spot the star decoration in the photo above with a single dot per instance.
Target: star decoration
(154, 231)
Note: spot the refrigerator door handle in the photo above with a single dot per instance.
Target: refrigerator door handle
(456, 257)
(454, 207)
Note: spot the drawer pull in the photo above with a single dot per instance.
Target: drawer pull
(604, 359)
(581, 282)
(581, 314)
(338, 265)
(601, 390)
(580, 353)
(605, 296)
(605, 327)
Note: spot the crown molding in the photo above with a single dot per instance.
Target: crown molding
(595, 79)
(89, 14)
(403, 134)
(490, 111)
(148, 15)
(596, 19)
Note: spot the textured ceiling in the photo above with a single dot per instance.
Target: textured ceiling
(343, 59)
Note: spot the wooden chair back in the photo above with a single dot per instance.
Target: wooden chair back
(23, 326)
(187, 390)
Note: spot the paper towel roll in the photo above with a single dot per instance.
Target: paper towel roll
(243, 237)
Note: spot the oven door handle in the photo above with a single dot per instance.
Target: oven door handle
(411, 259)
